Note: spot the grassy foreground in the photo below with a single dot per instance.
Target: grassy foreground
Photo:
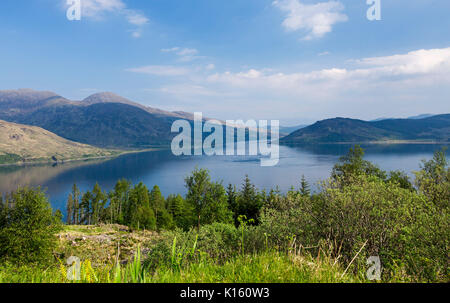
(111, 254)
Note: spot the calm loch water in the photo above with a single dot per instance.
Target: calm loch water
(168, 172)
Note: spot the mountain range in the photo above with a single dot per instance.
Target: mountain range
(110, 121)
(343, 130)
(104, 119)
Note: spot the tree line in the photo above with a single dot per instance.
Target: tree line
(209, 201)
(139, 207)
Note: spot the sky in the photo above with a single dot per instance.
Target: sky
(296, 61)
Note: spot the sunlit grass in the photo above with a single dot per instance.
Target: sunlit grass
(268, 267)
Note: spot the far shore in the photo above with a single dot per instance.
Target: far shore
(112, 156)
(369, 142)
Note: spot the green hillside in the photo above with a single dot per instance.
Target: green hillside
(343, 130)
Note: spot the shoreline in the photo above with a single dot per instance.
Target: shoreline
(119, 153)
(390, 142)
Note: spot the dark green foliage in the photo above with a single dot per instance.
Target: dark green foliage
(434, 179)
(76, 204)
(208, 199)
(27, 227)
(163, 218)
(353, 165)
(232, 197)
(182, 212)
(248, 202)
(401, 179)
(138, 212)
(10, 158)
(304, 187)
(86, 208)
(118, 199)
(360, 208)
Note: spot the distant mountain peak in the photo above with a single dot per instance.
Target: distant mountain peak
(26, 94)
(106, 97)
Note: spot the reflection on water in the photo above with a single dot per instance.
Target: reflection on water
(168, 172)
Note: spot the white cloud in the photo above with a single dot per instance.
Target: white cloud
(98, 9)
(136, 34)
(210, 66)
(184, 54)
(397, 68)
(160, 70)
(136, 18)
(315, 20)
(394, 85)
(169, 50)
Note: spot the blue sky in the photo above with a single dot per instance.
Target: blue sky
(293, 60)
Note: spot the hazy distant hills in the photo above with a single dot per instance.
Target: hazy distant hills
(105, 119)
(422, 116)
(22, 143)
(286, 130)
(343, 130)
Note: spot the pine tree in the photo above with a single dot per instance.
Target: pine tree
(232, 197)
(69, 210)
(139, 213)
(164, 219)
(76, 204)
(121, 195)
(304, 187)
(86, 205)
(98, 204)
(249, 202)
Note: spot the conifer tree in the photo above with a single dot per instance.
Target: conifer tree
(76, 204)
(69, 210)
(304, 187)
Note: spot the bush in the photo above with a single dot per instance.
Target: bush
(405, 229)
(402, 227)
(27, 227)
(288, 218)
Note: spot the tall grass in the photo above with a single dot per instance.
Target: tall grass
(266, 267)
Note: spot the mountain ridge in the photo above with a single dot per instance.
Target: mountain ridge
(102, 119)
(346, 130)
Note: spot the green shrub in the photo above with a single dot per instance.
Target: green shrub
(27, 227)
(286, 218)
(405, 229)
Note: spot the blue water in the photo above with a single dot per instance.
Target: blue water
(168, 172)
